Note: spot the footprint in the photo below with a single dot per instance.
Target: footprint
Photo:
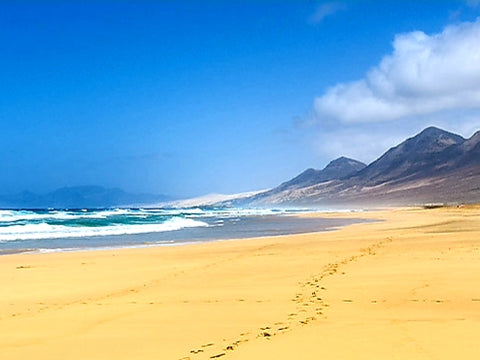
(217, 356)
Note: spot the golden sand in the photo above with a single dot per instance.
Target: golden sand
(404, 288)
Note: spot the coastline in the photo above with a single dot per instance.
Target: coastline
(402, 286)
(213, 228)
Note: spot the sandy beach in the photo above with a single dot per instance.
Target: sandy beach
(405, 287)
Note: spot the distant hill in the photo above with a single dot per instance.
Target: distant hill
(79, 197)
(336, 169)
(435, 166)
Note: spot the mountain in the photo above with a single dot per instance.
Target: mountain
(435, 166)
(336, 169)
(79, 197)
(471, 151)
(422, 155)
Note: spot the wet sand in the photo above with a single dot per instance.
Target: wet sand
(404, 288)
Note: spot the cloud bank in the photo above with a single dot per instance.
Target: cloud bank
(424, 75)
(324, 10)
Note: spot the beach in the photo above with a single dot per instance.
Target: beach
(403, 287)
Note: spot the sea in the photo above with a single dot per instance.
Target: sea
(48, 230)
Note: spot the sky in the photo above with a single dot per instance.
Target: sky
(192, 98)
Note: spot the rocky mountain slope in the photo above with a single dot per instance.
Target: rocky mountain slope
(434, 166)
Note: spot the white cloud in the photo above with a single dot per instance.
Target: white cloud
(425, 74)
(324, 10)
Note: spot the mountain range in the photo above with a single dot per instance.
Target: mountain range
(78, 197)
(435, 166)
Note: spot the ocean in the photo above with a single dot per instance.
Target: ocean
(46, 230)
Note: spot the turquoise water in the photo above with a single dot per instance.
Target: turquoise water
(54, 230)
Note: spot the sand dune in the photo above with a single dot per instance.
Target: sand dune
(402, 288)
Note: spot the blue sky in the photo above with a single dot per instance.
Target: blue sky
(189, 98)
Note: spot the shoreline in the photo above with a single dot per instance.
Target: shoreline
(162, 245)
(407, 279)
(246, 228)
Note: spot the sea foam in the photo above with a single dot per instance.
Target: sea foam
(48, 231)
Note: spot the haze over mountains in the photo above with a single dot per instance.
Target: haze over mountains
(79, 197)
(434, 166)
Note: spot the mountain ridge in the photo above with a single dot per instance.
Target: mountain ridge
(433, 166)
(335, 169)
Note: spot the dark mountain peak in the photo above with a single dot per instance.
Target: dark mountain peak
(340, 159)
(471, 150)
(473, 141)
(345, 163)
(335, 170)
(309, 171)
(430, 140)
(433, 166)
(418, 156)
(476, 135)
(432, 131)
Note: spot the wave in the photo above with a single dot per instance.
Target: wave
(10, 216)
(47, 231)
(56, 224)
(25, 216)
